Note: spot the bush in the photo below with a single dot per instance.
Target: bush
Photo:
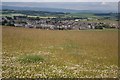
(98, 27)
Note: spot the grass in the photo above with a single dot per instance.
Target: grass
(11, 15)
(31, 59)
(62, 54)
(82, 15)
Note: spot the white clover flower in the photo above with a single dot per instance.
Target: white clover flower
(38, 74)
(28, 71)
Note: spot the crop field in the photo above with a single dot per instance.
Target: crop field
(10, 15)
(35, 53)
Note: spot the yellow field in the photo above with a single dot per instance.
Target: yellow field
(51, 53)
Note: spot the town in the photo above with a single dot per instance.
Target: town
(55, 23)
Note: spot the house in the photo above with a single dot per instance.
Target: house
(19, 25)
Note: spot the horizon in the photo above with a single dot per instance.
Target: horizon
(91, 6)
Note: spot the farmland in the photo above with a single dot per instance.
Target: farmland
(34, 53)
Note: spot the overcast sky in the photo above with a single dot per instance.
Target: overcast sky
(111, 6)
(59, 0)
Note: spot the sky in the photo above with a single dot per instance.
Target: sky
(60, 0)
(111, 6)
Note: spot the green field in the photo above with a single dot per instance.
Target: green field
(34, 53)
(11, 15)
(82, 15)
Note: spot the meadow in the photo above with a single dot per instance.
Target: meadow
(34, 53)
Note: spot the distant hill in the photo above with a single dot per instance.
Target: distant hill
(53, 9)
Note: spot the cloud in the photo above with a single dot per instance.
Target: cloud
(103, 3)
(60, 0)
(104, 6)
